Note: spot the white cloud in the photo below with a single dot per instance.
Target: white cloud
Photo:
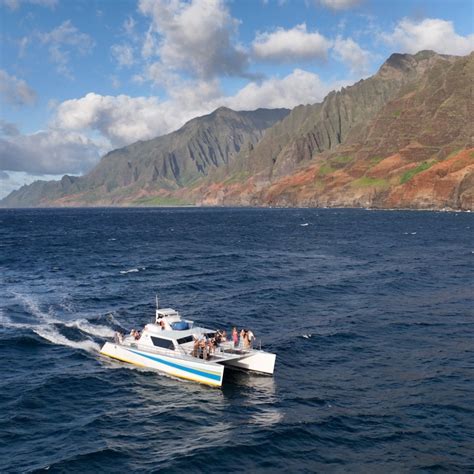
(291, 45)
(129, 26)
(15, 4)
(8, 129)
(150, 47)
(61, 41)
(123, 119)
(196, 37)
(340, 4)
(411, 36)
(15, 91)
(48, 152)
(350, 53)
(299, 87)
(123, 54)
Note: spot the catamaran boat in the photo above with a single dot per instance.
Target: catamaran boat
(181, 349)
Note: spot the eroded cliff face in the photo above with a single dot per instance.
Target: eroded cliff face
(131, 174)
(416, 152)
(343, 116)
(400, 139)
(394, 182)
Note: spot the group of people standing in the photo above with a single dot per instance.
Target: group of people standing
(205, 346)
(244, 339)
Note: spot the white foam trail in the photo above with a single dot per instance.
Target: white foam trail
(111, 318)
(95, 330)
(32, 306)
(57, 338)
(45, 323)
(6, 322)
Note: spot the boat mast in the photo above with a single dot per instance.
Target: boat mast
(156, 312)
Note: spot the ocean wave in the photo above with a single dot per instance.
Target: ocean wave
(132, 270)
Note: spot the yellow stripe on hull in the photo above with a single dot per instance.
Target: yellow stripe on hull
(174, 374)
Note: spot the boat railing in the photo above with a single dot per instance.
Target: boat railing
(229, 347)
(181, 353)
(223, 348)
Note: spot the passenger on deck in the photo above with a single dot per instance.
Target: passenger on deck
(162, 324)
(137, 335)
(251, 337)
(235, 336)
(211, 346)
(220, 337)
(203, 348)
(199, 345)
(196, 346)
(244, 335)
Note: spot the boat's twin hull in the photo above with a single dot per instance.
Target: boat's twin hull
(256, 361)
(206, 373)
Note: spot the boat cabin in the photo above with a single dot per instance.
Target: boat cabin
(169, 319)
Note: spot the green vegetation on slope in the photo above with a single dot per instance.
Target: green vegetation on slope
(326, 169)
(367, 181)
(341, 160)
(161, 201)
(413, 172)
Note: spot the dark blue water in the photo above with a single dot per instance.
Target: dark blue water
(370, 314)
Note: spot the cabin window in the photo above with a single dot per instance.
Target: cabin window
(164, 343)
(184, 340)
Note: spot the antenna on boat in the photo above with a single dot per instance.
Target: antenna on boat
(156, 311)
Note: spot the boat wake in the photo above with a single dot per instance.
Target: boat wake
(56, 337)
(50, 328)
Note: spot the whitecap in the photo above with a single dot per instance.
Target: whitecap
(132, 270)
(305, 224)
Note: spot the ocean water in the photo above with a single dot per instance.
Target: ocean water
(370, 314)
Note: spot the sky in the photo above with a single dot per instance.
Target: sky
(79, 78)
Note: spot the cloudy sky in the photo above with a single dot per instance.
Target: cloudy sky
(81, 77)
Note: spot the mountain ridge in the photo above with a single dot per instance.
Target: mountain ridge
(166, 162)
(408, 117)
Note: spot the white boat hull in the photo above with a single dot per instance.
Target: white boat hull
(256, 361)
(194, 369)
